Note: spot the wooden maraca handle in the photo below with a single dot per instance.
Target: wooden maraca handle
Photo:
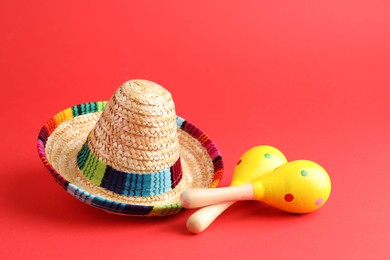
(202, 219)
(196, 198)
(254, 163)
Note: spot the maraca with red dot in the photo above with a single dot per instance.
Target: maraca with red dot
(254, 163)
(299, 187)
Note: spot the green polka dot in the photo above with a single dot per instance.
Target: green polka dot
(267, 155)
(304, 173)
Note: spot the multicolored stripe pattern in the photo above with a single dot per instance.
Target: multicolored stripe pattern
(208, 144)
(109, 205)
(127, 183)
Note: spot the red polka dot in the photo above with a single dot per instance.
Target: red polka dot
(239, 162)
(288, 197)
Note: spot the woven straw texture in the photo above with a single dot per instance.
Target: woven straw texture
(137, 133)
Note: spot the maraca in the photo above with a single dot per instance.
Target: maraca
(299, 187)
(254, 163)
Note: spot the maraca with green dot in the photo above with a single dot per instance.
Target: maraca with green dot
(254, 163)
(299, 187)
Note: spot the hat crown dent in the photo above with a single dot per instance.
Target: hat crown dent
(137, 131)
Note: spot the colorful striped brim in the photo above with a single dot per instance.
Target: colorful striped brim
(68, 150)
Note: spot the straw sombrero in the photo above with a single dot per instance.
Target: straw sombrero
(131, 155)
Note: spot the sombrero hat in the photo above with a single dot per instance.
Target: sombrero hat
(131, 155)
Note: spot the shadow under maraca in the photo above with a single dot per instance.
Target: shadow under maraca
(256, 210)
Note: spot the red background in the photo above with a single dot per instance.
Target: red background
(308, 77)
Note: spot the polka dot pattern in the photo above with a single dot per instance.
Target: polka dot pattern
(289, 197)
(304, 173)
(319, 202)
(267, 155)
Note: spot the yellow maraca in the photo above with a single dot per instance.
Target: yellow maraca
(254, 163)
(299, 187)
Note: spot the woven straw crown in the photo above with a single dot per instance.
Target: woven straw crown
(136, 134)
(137, 130)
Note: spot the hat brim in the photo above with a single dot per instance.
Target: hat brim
(61, 138)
